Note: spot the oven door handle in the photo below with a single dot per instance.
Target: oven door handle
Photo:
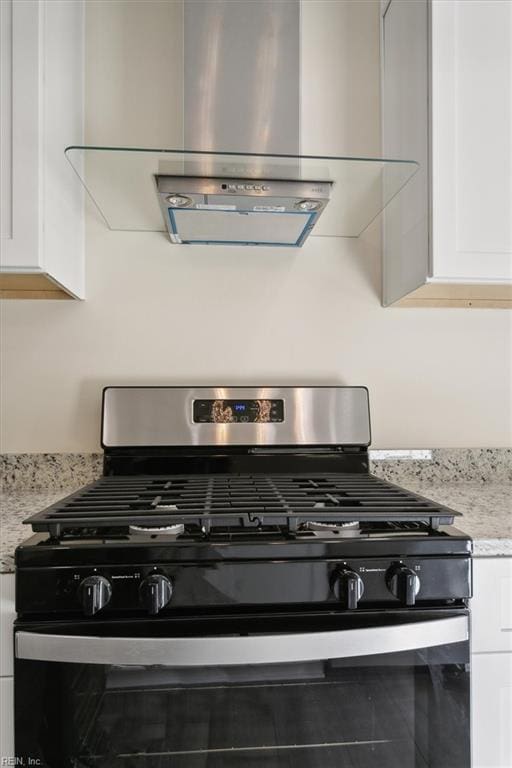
(232, 650)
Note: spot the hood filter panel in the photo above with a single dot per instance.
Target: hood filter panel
(194, 226)
(208, 211)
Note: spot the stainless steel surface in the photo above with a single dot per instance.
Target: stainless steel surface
(242, 76)
(241, 211)
(242, 73)
(252, 189)
(162, 416)
(229, 651)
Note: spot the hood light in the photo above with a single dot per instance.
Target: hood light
(179, 201)
(308, 205)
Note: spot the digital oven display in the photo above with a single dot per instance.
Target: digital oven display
(238, 411)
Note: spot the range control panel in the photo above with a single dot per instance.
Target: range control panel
(238, 411)
(350, 584)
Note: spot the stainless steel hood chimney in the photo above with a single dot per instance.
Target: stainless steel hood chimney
(242, 91)
(241, 64)
(240, 177)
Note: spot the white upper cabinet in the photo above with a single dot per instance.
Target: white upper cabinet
(472, 139)
(41, 211)
(447, 99)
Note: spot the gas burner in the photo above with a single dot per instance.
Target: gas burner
(313, 526)
(153, 530)
(349, 528)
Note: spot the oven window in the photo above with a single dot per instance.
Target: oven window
(400, 710)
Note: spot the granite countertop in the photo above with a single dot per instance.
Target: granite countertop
(487, 510)
(16, 506)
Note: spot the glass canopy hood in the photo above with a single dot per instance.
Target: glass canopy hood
(124, 184)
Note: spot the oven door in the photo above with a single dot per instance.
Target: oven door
(365, 689)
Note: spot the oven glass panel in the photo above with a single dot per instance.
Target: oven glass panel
(238, 411)
(398, 710)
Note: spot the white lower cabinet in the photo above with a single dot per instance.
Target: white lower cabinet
(7, 614)
(492, 710)
(6, 719)
(491, 660)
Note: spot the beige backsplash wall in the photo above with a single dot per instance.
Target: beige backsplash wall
(177, 315)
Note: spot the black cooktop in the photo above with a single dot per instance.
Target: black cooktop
(209, 503)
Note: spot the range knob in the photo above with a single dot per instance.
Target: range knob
(348, 587)
(95, 593)
(403, 583)
(155, 592)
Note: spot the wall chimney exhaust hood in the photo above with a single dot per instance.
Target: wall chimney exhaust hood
(239, 176)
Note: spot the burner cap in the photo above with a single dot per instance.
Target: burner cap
(350, 525)
(164, 530)
(347, 529)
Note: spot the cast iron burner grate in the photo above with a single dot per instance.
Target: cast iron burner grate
(203, 502)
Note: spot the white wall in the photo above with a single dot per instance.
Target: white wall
(157, 313)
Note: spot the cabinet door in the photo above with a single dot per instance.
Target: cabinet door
(6, 720)
(492, 710)
(7, 616)
(491, 606)
(21, 134)
(472, 140)
(41, 101)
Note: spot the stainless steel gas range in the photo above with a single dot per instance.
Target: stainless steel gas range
(239, 590)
